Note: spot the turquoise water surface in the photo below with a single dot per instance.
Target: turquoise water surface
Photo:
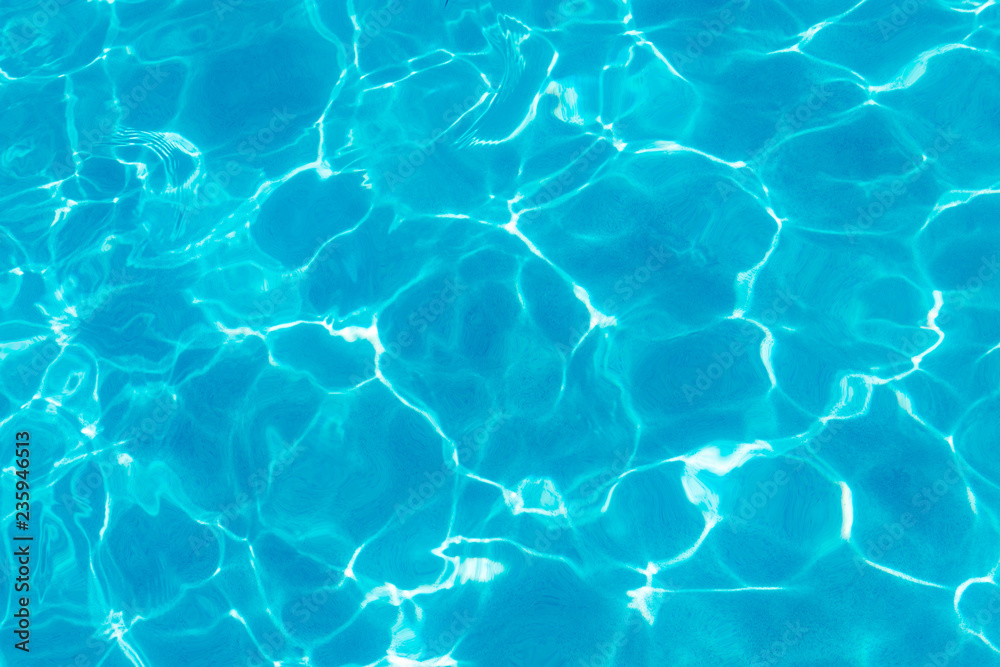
(494, 333)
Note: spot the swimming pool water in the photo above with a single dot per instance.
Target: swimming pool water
(485, 333)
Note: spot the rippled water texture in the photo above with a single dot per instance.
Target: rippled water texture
(502, 332)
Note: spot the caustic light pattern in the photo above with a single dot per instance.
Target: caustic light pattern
(494, 333)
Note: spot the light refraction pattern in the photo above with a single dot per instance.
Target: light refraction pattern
(493, 333)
